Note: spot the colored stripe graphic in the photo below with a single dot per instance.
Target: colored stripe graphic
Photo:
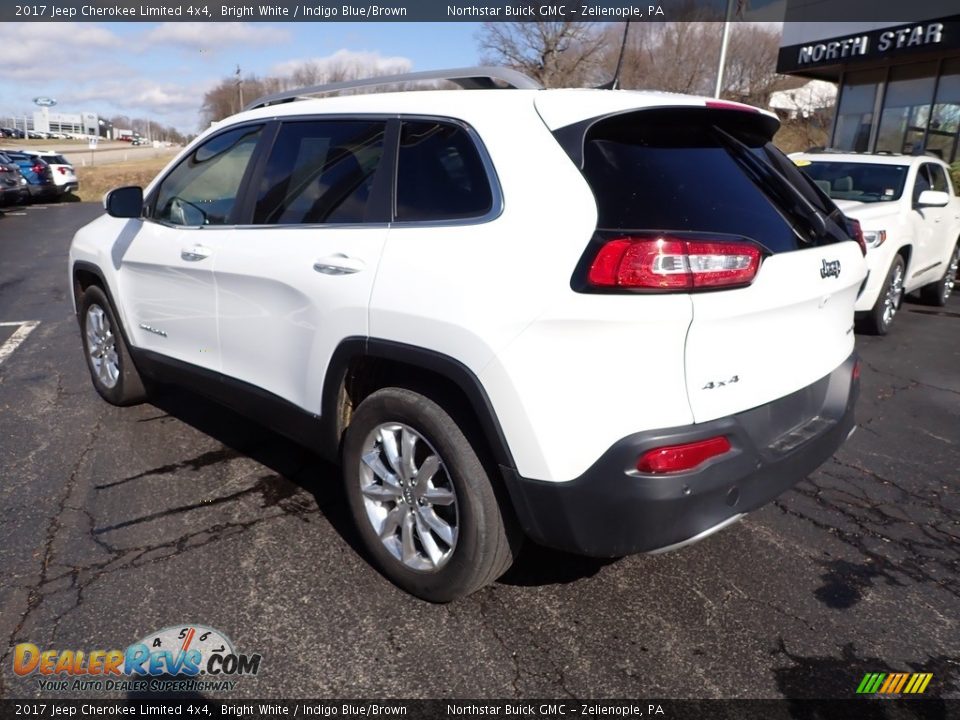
(918, 683)
(894, 683)
(903, 681)
(891, 681)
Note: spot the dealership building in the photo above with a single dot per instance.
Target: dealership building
(83, 123)
(899, 83)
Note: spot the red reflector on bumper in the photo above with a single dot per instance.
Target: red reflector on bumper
(677, 458)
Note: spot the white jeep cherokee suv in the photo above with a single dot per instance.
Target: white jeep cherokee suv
(610, 321)
(910, 216)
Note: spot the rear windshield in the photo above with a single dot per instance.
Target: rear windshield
(864, 182)
(680, 170)
(56, 159)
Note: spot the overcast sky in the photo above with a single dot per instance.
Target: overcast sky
(161, 70)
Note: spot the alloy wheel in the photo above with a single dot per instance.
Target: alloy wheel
(409, 497)
(101, 347)
(950, 280)
(891, 302)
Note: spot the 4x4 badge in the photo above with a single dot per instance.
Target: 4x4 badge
(720, 383)
(831, 268)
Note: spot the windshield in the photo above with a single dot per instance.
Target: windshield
(863, 182)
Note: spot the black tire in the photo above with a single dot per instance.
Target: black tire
(127, 387)
(939, 292)
(879, 319)
(486, 539)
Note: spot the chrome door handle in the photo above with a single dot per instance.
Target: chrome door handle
(197, 252)
(338, 264)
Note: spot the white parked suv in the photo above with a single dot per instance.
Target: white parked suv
(63, 173)
(910, 216)
(612, 322)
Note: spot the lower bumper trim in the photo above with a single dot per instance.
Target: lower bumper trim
(613, 510)
(698, 537)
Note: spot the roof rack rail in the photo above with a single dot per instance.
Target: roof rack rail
(470, 78)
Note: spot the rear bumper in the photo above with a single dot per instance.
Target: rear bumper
(614, 510)
(43, 191)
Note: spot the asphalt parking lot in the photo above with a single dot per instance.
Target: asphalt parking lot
(119, 522)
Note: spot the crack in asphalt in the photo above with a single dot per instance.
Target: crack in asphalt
(488, 593)
(871, 519)
(557, 679)
(911, 383)
(287, 499)
(35, 594)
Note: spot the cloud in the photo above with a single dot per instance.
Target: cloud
(136, 94)
(200, 36)
(359, 63)
(36, 47)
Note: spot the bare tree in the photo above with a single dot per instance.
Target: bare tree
(682, 57)
(554, 53)
(222, 100)
(750, 74)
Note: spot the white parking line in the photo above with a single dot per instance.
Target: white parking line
(7, 212)
(20, 334)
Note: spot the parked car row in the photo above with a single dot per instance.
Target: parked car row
(910, 216)
(35, 175)
(8, 132)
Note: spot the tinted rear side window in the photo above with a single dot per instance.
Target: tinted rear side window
(320, 172)
(440, 175)
(668, 171)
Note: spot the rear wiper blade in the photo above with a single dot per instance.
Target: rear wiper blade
(762, 172)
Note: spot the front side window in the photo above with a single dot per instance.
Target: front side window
(938, 178)
(202, 189)
(440, 175)
(922, 182)
(320, 172)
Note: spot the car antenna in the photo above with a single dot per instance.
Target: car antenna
(614, 82)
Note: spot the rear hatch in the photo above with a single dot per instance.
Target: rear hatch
(763, 255)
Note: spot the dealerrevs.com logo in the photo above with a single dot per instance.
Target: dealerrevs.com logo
(179, 658)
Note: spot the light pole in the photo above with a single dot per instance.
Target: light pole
(723, 49)
(239, 88)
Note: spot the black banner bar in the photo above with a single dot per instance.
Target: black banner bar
(467, 10)
(561, 709)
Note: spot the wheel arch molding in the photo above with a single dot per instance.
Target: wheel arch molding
(389, 361)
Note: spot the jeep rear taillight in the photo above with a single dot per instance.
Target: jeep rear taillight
(679, 458)
(672, 263)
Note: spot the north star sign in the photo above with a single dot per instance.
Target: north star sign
(914, 36)
(941, 34)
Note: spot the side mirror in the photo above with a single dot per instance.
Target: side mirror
(124, 202)
(933, 198)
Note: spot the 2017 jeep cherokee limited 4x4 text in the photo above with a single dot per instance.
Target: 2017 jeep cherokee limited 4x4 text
(609, 321)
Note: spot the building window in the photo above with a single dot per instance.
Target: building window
(945, 124)
(906, 108)
(855, 114)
